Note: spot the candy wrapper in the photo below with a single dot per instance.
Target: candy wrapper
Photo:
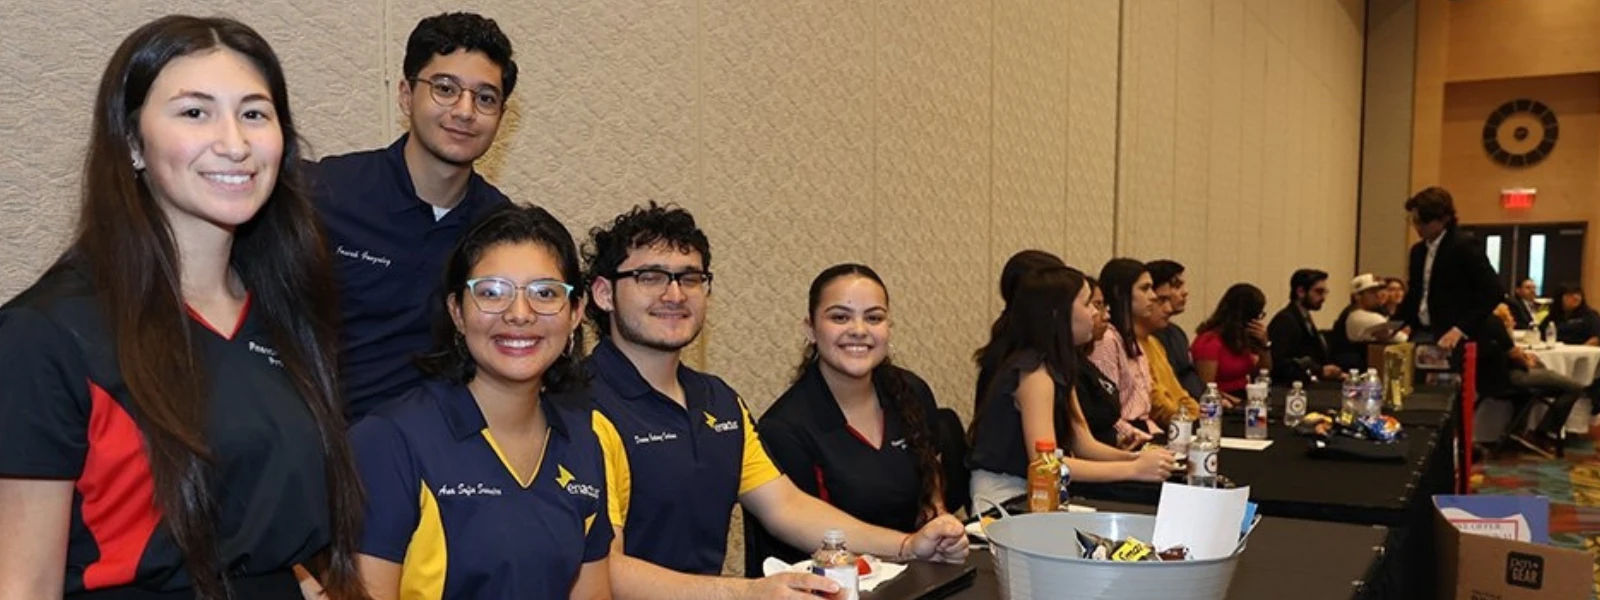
(1383, 429)
(1094, 547)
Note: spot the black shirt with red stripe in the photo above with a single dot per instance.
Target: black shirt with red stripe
(65, 414)
(808, 437)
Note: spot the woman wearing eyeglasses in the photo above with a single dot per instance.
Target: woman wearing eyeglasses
(488, 481)
(1232, 343)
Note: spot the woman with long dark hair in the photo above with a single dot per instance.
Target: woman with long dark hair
(1576, 323)
(854, 429)
(1097, 394)
(170, 427)
(1028, 372)
(1231, 344)
(488, 480)
(1130, 296)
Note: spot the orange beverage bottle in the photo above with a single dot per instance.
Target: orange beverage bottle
(1044, 479)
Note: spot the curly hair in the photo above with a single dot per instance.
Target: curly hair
(448, 32)
(645, 226)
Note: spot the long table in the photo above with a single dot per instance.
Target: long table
(1307, 560)
(1285, 482)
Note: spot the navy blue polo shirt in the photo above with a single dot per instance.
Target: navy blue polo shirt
(674, 472)
(388, 253)
(444, 503)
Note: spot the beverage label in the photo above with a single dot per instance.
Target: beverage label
(1178, 434)
(1202, 463)
(1208, 410)
(1252, 417)
(848, 578)
(1297, 404)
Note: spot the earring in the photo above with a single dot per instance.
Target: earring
(138, 163)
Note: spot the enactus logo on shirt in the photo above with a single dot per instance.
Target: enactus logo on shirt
(567, 481)
(721, 426)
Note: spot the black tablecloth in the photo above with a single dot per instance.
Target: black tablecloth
(1305, 560)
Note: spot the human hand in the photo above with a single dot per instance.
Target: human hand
(1332, 372)
(1450, 338)
(790, 586)
(943, 539)
(1153, 465)
(1258, 330)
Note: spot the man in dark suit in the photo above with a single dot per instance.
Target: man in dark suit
(1524, 303)
(1299, 352)
(1453, 289)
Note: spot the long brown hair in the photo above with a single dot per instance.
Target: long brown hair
(896, 385)
(125, 241)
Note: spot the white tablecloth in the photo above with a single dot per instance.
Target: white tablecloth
(1579, 363)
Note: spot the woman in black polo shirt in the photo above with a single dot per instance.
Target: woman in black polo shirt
(854, 429)
(1027, 376)
(1575, 322)
(1097, 394)
(168, 421)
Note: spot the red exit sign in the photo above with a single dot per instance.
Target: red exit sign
(1518, 198)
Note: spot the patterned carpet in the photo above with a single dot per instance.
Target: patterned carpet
(1572, 484)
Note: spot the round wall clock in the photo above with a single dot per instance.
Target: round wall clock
(1520, 133)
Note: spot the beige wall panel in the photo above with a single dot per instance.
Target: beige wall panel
(932, 185)
(1028, 207)
(1192, 157)
(787, 148)
(51, 59)
(1093, 51)
(1145, 170)
(1253, 74)
(1224, 232)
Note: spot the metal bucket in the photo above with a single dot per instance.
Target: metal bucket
(1036, 557)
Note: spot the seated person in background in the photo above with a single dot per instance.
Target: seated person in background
(1394, 292)
(680, 446)
(854, 429)
(504, 414)
(1524, 303)
(1167, 395)
(1167, 277)
(1365, 323)
(1576, 323)
(1026, 373)
(1097, 394)
(1232, 342)
(1504, 368)
(1299, 353)
(1130, 295)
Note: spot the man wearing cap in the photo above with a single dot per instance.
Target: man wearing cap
(1366, 323)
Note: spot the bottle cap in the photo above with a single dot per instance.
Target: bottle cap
(833, 536)
(1298, 385)
(1044, 446)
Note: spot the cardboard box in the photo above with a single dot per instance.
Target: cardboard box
(1483, 567)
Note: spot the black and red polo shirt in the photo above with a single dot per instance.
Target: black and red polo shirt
(65, 414)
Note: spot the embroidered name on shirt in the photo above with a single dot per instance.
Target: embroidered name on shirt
(565, 479)
(468, 490)
(721, 426)
(382, 261)
(651, 438)
(272, 355)
(900, 443)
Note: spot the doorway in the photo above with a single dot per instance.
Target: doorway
(1550, 254)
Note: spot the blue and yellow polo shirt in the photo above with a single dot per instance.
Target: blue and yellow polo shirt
(443, 502)
(674, 472)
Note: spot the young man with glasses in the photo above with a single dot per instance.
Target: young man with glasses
(393, 214)
(680, 445)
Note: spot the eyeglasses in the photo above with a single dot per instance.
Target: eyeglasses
(656, 279)
(447, 92)
(494, 295)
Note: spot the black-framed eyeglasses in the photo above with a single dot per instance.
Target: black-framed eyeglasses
(446, 91)
(494, 295)
(657, 279)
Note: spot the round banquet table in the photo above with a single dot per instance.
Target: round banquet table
(1579, 363)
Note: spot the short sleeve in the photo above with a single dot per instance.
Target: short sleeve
(758, 469)
(789, 453)
(619, 476)
(597, 532)
(1207, 347)
(394, 489)
(45, 402)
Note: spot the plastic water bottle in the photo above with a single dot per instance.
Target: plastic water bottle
(1550, 333)
(1066, 474)
(1180, 433)
(834, 561)
(1203, 459)
(1255, 418)
(1294, 408)
(1211, 411)
(1372, 396)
